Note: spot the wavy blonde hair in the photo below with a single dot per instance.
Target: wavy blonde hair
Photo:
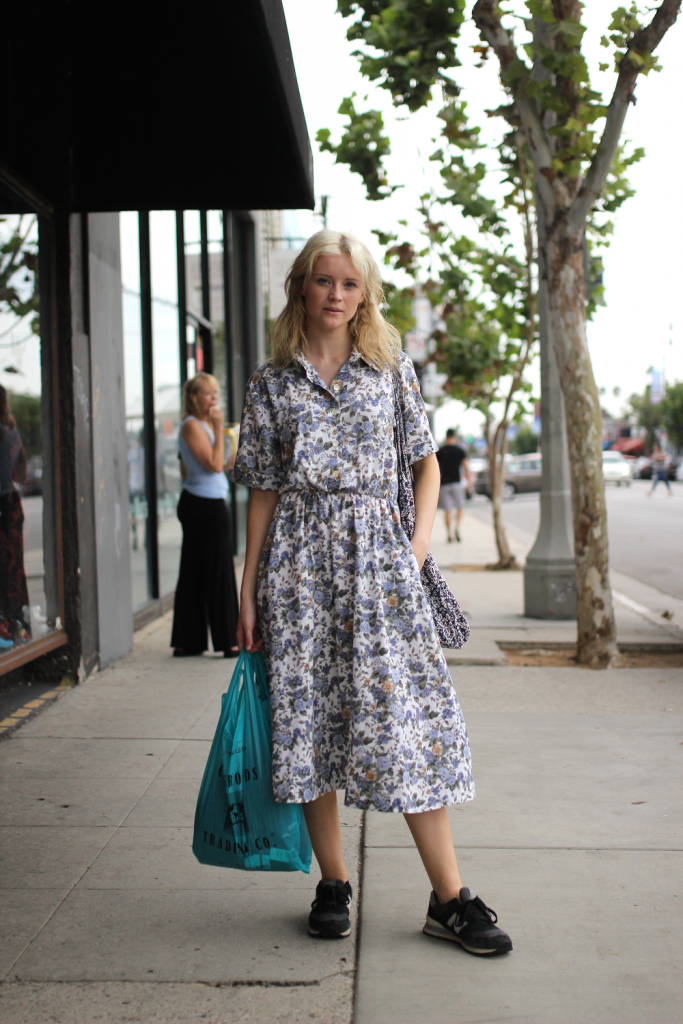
(377, 341)
(190, 389)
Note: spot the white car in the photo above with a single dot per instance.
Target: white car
(616, 469)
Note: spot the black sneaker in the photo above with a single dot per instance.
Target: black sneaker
(468, 921)
(329, 917)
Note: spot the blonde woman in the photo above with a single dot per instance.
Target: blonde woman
(361, 696)
(207, 591)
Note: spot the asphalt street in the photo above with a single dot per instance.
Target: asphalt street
(645, 534)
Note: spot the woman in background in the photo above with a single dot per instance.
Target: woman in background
(14, 622)
(207, 592)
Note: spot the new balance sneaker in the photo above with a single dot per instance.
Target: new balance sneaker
(329, 917)
(468, 921)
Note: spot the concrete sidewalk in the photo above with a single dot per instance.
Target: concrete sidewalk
(574, 839)
(107, 915)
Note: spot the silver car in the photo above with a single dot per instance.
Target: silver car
(522, 475)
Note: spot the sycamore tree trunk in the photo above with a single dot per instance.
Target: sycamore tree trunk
(496, 460)
(597, 642)
(564, 202)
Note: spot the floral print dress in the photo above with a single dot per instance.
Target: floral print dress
(361, 696)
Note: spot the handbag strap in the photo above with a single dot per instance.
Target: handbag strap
(406, 497)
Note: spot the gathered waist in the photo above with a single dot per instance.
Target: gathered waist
(336, 500)
(315, 493)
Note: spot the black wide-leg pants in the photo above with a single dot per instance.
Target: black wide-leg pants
(207, 590)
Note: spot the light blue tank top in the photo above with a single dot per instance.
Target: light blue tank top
(199, 481)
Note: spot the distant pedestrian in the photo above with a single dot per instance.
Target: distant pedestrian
(452, 459)
(207, 591)
(361, 696)
(660, 469)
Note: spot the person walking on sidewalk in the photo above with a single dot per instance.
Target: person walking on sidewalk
(361, 697)
(207, 589)
(660, 469)
(452, 461)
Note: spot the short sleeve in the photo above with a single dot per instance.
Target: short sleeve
(258, 462)
(419, 440)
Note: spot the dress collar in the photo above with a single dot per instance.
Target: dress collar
(354, 358)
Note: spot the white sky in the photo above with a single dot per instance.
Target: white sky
(643, 265)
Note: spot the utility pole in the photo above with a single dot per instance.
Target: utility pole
(550, 573)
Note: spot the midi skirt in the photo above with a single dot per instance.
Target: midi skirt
(361, 696)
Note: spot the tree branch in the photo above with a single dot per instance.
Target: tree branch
(644, 41)
(487, 19)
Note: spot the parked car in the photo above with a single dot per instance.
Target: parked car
(642, 469)
(476, 466)
(616, 469)
(34, 476)
(522, 475)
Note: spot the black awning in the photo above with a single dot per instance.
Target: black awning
(140, 106)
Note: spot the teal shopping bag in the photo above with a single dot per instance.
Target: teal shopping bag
(237, 822)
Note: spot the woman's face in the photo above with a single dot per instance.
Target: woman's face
(332, 295)
(206, 397)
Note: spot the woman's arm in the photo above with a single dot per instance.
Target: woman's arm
(210, 456)
(262, 505)
(427, 480)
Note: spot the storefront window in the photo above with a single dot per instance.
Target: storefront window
(29, 580)
(156, 362)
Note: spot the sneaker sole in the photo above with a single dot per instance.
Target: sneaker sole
(438, 931)
(329, 933)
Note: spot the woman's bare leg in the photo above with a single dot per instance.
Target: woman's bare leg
(432, 834)
(322, 818)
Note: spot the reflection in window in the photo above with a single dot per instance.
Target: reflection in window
(28, 602)
(193, 279)
(166, 355)
(132, 348)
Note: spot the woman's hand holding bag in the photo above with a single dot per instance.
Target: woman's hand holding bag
(237, 823)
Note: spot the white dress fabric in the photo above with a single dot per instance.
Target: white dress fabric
(361, 696)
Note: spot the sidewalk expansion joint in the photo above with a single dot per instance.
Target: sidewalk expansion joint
(551, 849)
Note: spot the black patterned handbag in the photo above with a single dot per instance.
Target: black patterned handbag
(452, 627)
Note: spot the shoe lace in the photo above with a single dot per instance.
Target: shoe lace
(331, 897)
(477, 909)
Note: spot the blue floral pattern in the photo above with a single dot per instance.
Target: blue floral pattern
(361, 696)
